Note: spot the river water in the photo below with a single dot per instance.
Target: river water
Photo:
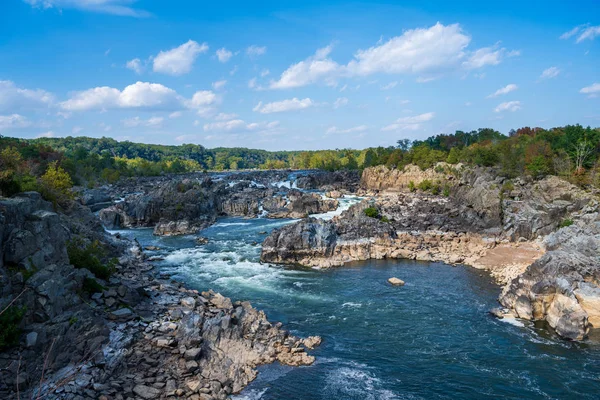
(429, 339)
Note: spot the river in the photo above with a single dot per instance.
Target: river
(430, 339)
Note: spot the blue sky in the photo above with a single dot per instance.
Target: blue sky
(294, 75)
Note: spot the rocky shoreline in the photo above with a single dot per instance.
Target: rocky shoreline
(138, 335)
(539, 238)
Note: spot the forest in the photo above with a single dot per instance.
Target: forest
(52, 165)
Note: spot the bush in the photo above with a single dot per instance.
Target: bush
(89, 256)
(371, 212)
(446, 191)
(565, 222)
(56, 184)
(411, 186)
(508, 186)
(91, 286)
(9, 326)
(425, 185)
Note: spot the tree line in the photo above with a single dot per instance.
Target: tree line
(50, 165)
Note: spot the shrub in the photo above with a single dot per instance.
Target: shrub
(56, 184)
(371, 212)
(91, 286)
(411, 186)
(508, 186)
(446, 191)
(565, 222)
(425, 185)
(89, 256)
(436, 189)
(9, 326)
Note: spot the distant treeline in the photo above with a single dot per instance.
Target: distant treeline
(571, 151)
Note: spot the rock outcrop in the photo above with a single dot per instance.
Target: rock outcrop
(563, 286)
(136, 334)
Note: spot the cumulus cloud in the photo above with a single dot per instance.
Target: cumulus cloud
(412, 123)
(137, 121)
(309, 71)
(135, 65)
(511, 106)
(583, 32)
(14, 98)
(225, 116)
(219, 84)
(115, 7)
(335, 129)
(506, 89)
(175, 114)
(340, 102)
(13, 121)
(550, 73)
(223, 55)
(284, 105)
(254, 50)
(202, 98)
(422, 50)
(592, 91)
(264, 73)
(138, 95)
(179, 60)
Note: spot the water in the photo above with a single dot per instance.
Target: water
(431, 338)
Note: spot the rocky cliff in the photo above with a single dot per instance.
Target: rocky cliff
(134, 334)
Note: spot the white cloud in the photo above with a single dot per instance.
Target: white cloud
(583, 32)
(255, 50)
(224, 55)
(135, 65)
(422, 50)
(179, 60)
(592, 91)
(225, 117)
(422, 79)
(335, 129)
(238, 125)
(549, 73)
(219, 84)
(13, 121)
(390, 85)
(137, 95)
(308, 71)
(115, 7)
(13, 98)
(175, 114)
(202, 98)
(506, 89)
(409, 123)
(511, 106)
(76, 130)
(284, 105)
(340, 102)
(416, 50)
(264, 73)
(589, 33)
(48, 134)
(484, 56)
(137, 121)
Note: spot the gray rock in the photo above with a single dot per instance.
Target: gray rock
(146, 392)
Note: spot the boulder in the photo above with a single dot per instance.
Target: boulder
(396, 282)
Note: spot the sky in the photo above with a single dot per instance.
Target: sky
(283, 75)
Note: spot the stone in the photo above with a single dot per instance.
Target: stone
(31, 339)
(192, 354)
(396, 282)
(188, 302)
(146, 392)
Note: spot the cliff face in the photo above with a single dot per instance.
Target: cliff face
(136, 334)
(383, 178)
